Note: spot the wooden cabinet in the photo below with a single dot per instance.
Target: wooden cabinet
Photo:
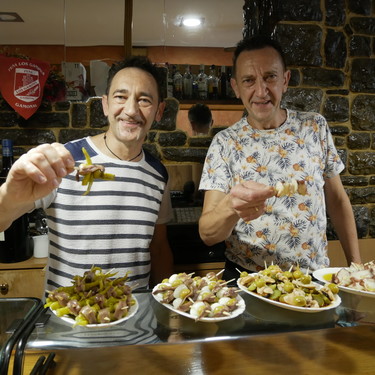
(22, 279)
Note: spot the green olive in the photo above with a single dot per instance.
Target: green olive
(243, 274)
(288, 274)
(306, 279)
(297, 274)
(260, 283)
(299, 301)
(334, 288)
(288, 287)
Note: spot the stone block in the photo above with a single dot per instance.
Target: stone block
(303, 99)
(363, 113)
(301, 44)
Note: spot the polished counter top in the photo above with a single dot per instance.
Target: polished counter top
(333, 351)
(263, 339)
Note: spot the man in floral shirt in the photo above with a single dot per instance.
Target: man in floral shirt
(270, 145)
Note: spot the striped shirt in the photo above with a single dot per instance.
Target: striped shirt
(113, 225)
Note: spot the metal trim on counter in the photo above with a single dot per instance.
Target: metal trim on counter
(18, 330)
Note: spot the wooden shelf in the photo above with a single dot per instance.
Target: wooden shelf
(29, 263)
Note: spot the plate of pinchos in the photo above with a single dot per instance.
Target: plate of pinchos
(289, 290)
(94, 300)
(205, 299)
(357, 279)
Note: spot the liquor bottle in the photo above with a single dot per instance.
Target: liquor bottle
(169, 80)
(212, 83)
(202, 83)
(188, 84)
(177, 84)
(223, 84)
(231, 93)
(15, 242)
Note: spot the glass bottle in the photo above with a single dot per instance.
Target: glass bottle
(188, 84)
(15, 245)
(231, 94)
(202, 83)
(169, 80)
(223, 84)
(177, 84)
(213, 83)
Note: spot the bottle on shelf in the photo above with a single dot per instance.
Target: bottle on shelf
(15, 242)
(177, 84)
(202, 83)
(231, 93)
(169, 80)
(213, 82)
(188, 84)
(223, 84)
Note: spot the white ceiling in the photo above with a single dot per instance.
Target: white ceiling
(101, 22)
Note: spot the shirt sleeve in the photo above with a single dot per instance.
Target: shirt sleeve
(333, 164)
(216, 174)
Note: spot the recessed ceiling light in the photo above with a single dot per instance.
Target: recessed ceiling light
(191, 21)
(10, 17)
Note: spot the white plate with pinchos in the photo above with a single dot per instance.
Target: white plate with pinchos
(204, 299)
(351, 279)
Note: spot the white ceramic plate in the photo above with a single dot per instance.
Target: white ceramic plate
(322, 274)
(333, 304)
(132, 311)
(319, 275)
(240, 309)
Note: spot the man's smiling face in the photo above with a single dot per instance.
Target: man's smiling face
(260, 81)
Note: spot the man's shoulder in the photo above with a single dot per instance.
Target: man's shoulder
(156, 164)
(304, 115)
(75, 148)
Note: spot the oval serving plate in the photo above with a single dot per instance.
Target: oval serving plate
(319, 275)
(333, 304)
(132, 311)
(240, 309)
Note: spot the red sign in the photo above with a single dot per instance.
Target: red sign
(22, 83)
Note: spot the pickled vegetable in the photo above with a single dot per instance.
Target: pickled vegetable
(93, 298)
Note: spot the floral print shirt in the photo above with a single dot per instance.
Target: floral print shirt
(293, 228)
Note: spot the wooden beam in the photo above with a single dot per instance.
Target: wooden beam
(128, 25)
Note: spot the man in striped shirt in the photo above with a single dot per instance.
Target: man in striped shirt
(120, 224)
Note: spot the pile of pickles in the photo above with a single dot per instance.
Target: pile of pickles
(291, 287)
(94, 298)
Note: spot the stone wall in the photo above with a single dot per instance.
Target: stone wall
(330, 48)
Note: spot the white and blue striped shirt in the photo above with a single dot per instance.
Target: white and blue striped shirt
(113, 225)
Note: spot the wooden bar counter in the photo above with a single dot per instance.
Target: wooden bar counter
(264, 339)
(327, 351)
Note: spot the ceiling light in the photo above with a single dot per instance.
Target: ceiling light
(10, 17)
(191, 21)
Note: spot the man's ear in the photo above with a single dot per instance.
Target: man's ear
(160, 111)
(287, 76)
(105, 104)
(233, 83)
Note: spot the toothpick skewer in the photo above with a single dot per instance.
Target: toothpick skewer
(238, 270)
(219, 273)
(227, 282)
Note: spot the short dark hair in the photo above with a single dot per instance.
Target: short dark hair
(140, 62)
(254, 43)
(200, 114)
